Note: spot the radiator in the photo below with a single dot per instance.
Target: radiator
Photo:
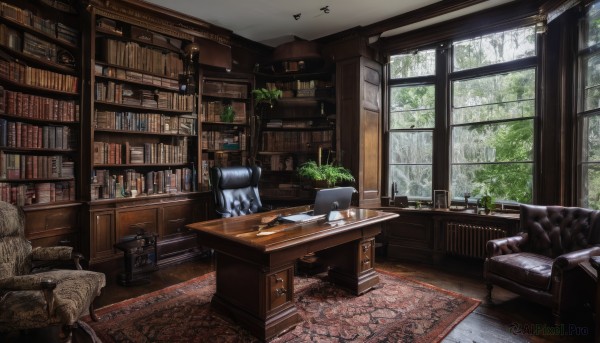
(470, 240)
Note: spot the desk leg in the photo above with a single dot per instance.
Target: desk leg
(352, 265)
(259, 298)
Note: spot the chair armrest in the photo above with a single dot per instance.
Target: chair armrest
(57, 253)
(30, 282)
(506, 245)
(574, 258)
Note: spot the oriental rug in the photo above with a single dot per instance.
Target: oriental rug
(397, 310)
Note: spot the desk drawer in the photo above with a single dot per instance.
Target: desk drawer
(176, 217)
(280, 287)
(62, 219)
(366, 255)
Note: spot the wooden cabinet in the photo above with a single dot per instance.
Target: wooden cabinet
(430, 235)
(49, 226)
(111, 221)
(359, 126)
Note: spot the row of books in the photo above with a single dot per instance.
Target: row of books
(47, 26)
(37, 193)
(133, 55)
(149, 153)
(109, 186)
(23, 135)
(37, 47)
(145, 122)
(128, 95)
(299, 84)
(224, 140)
(221, 159)
(39, 107)
(35, 77)
(212, 111)
(131, 75)
(15, 166)
(303, 124)
(296, 141)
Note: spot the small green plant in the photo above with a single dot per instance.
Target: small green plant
(228, 114)
(487, 202)
(329, 173)
(266, 96)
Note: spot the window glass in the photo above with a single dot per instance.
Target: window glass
(420, 63)
(412, 107)
(494, 48)
(496, 97)
(589, 110)
(592, 31)
(591, 82)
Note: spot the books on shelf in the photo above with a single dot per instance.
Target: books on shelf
(107, 184)
(37, 193)
(20, 166)
(36, 77)
(296, 141)
(39, 107)
(24, 135)
(130, 95)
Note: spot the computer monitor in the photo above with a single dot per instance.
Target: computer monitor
(332, 199)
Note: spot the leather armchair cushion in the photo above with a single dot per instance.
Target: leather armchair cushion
(236, 190)
(556, 230)
(531, 270)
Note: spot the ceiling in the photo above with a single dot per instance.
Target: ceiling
(272, 22)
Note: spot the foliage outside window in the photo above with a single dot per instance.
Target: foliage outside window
(411, 123)
(490, 111)
(589, 109)
(492, 136)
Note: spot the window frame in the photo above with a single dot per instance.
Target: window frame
(442, 153)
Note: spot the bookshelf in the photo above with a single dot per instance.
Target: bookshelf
(40, 106)
(143, 152)
(226, 106)
(302, 123)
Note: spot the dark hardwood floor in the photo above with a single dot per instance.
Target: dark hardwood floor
(509, 319)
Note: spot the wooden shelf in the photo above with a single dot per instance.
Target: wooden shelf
(105, 64)
(142, 165)
(38, 150)
(37, 120)
(46, 36)
(35, 180)
(137, 83)
(37, 61)
(140, 107)
(143, 133)
(22, 86)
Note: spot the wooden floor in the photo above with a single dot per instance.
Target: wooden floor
(509, 319)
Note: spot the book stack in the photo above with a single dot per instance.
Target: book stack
(10, 38)
(34, 46)
(148, 99)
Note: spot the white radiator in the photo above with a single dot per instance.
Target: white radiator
(470, 240)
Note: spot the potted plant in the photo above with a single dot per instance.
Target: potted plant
(263, 97)
(487, 202)
(329, 173)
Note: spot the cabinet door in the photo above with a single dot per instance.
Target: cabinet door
(102, 235)
(56, 226)
(175, 217)
(130, 222)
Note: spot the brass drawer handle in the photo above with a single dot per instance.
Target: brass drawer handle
(176, 221)
(280, 291)
(277, 278)
(366, 261)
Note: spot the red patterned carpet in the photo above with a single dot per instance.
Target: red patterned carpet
(397, 310)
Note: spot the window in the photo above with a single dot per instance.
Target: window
(411, 123)
(589, 110)
(491, 106)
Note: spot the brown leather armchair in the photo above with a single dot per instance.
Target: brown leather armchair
(542, 262)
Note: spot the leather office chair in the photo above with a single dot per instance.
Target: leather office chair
(236, 190)
(35, 300)
(542, 262)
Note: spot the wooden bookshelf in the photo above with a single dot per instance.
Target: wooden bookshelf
(224, 143)
(301, 122)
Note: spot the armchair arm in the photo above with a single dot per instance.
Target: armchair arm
(57, 253)
(29, 282)
(506, 245)
(574, 258)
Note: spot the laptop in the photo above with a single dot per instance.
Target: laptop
(326, 201)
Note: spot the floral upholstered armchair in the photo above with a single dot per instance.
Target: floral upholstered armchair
(35, 300)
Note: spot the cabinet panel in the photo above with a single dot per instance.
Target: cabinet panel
(132, 221)
(176, 217)
(44, 221)
(102, 235)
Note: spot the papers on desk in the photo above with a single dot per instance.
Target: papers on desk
(300, 218)
(265, 233)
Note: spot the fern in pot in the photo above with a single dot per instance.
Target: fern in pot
(329, 173)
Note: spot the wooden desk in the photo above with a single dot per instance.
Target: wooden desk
(254, 273)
